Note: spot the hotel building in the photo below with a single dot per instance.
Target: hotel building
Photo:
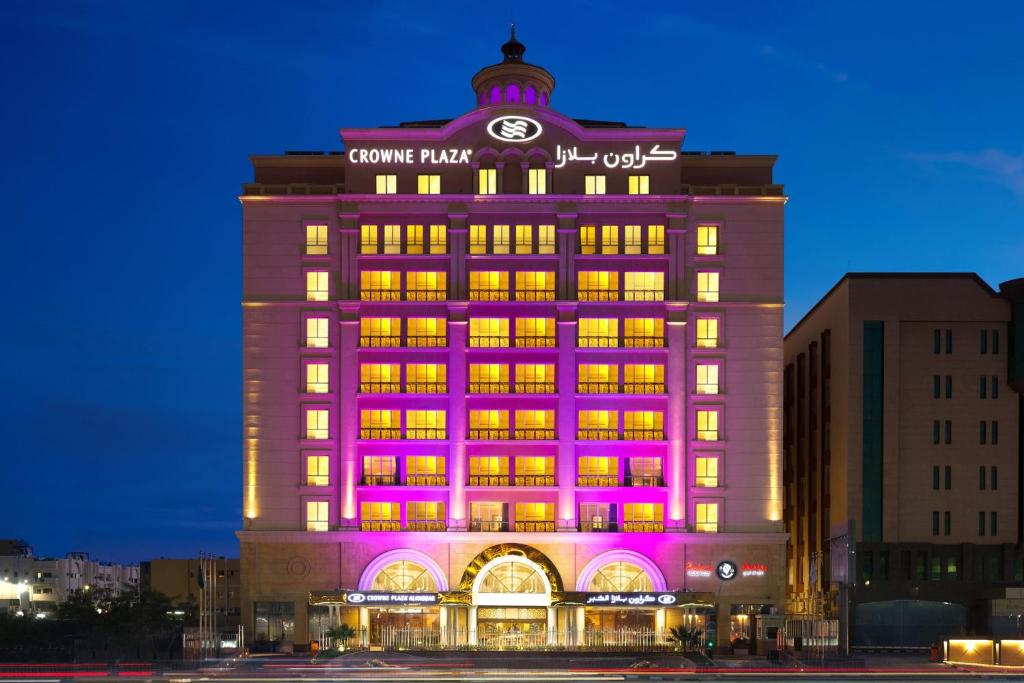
(512, 379)
(902, 436)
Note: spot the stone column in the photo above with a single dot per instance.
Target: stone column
(471, 626)
(567, 238)
(552, 624)
(457, 240)
(565, 375)
(676, 419)
(675, 247)
(458, 515)
(348, 269)
(348, 420)
(581, 625)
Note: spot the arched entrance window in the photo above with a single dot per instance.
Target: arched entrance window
(620, 577)
(404, 576)
(512, 580)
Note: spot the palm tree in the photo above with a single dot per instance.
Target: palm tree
(341, 635)
(685, 636)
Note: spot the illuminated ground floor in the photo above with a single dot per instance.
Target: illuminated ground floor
(512, 591)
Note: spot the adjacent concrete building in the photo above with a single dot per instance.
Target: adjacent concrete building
(178, 580)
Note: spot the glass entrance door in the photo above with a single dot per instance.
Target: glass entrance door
(512, 628)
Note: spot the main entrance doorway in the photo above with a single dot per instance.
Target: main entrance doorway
(511, 605)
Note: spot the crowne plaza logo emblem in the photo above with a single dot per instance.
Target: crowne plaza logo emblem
(514, 128)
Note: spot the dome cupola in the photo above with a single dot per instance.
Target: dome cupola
(513, 81)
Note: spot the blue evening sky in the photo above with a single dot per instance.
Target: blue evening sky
(127, 129)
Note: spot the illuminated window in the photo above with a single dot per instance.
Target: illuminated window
(597, 378)
(609, 239)
(316, 515)
(393, 239)
(588, 239)
(387, 184)
(643, 425)
(707, 517)
(488, 378)
(368, 239)
(598, 516)
(597, 425)
(426, 378)
(707, 425)
(488, 424)
(425, 470)
(707, 286)
(316, 240)
(644, 378)
(535, 424)
(535, 516)
(425, 515)
(438, 239)
(598, 333)
(545, 239)
(597, 285)
(488, 333)
(490, 470)
(316, 378)
(317, 423)
(500, 239)
(655, 239)
(379, 378)
(643, 517)
(380, 332)
(488, 285)
(478, 239)
(374, 516)
(380, 285)
(488, 516)
(380, 424)
(633, 243)
(621, 577)
(639, 184)
(707, 333)
(707, 240)
(524, 239)
(414, 239)
(706, 472)
(379, 470)
(538, 180)
(427, 332)
(535, 378)
(426, 286)
(644, 287)
(535, 470)
(317, 333)
(487, 181)
(707, 379)
(426, 424)
(644, 333)
(428, 183)
(317, 287)
(644, 472)
(593, 184)
(535, 333)
(318, 470)
(535, 286)
(598, 471)
(404, 576)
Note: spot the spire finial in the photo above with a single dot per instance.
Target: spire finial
(513, 49)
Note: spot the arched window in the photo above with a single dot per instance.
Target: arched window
(512, 93)
(530, 95)
(404, 576)
(482, 99)
(496, 94)
(543, 99)
(514, 576)
(621, 577)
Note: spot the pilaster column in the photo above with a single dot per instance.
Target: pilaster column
(458, 515)
(457, 278)
(676, 414)
(566, 379)
(471, 624)
(348, 418)
(552, 625)
(348, 275)
(567, 238)
(675, 246)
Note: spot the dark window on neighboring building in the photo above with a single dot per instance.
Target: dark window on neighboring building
(995, 432)
(936, 429)
(936, 566)
(921, 566)
(995, 341)
(993, 527)
(981, 387)
(935, 523)
(981, 477)
(981, 432)
(938, 342)
(949, 432)
(984, 341)
(981, 523)
(949, 341)
(949, 386)
(994, 477)
(949, 477)
(947, 523)
(994, 381)
(936, 387)
(935, 478)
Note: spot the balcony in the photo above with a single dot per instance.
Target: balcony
(535, 387)
(426, 525)
(535, 480)
(647, 481)
(488, 434)
(375, 433)
(426, 480)
(643, 435)
(535, 342)
(488, 295)
(380, 480)
(597, 387)
(426, 341)
(488, 387)
(489, 480)
(426, 388)
(597, 295)
(489, 342)
(426, 433)
(535, 295)
(597, 480)
(597, 435)
(380, 387)
(488, 525)
(534, 434)
(598, 527)
(535, 526)
(643, 342)
(379, 525)
(643, 527)
(380, 295)
(644, 295)
(593, 342)
(425, 295)
(644, 388)
(373, 342)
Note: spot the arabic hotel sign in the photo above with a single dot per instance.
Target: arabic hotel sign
(629, 599)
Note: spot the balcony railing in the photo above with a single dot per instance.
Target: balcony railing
(535, 526)
(488, 387)
(535, 387)
(488, 295)
(425, 295)
(374, 342)
(535, 295)
(426, 341)
(597, 387)
(380, 433)
(426, 480)
(380, 295)
(643, 527)
(643, 388)
(597, 480)
(523, 342)
(648, 481)
(598, 527)
(425, 525)
(706, 482)
(597, 434)
(488, 525)
(643, 342)
(489, 480)
(643, 435)
(644, 295)
(534, 434)
(597, 295)
(535, 480)
(488, 342)
(378, 525)
(594, 342)
(380, 480)
(426, 388)
(488, 434)
(426, 433)
(380, 387)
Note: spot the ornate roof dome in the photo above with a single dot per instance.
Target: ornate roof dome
(513, 81)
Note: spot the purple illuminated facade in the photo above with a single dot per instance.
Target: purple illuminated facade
(512, 379)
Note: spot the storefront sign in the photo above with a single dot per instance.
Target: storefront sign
(369, 598)
(726, 570)
(753, 569)
(698, 569)
(629, 599)
(514, 129)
